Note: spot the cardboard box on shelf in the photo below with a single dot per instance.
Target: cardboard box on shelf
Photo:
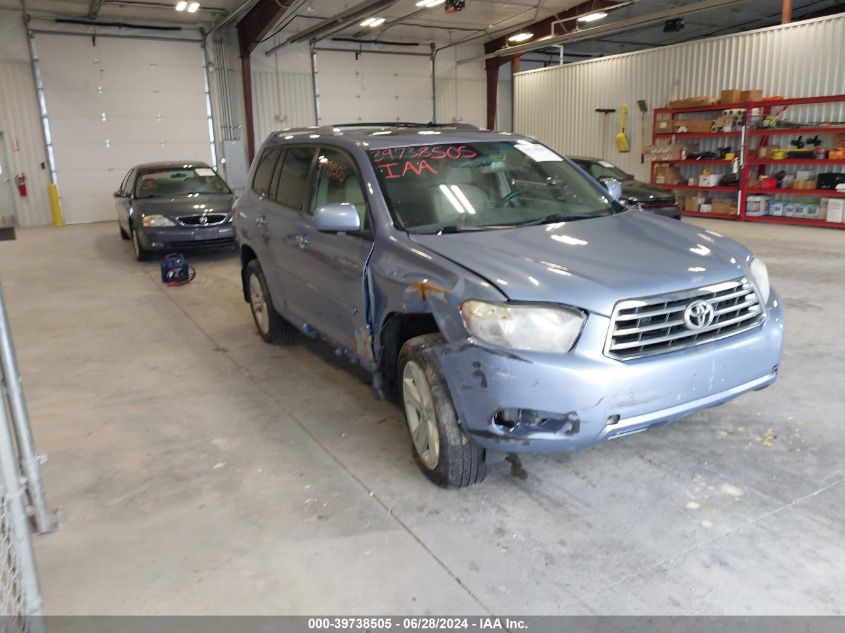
(709, 180)
(730, 96)
(839, 140)
(692, 126)
(664, 122)
(692, 102)
(832, 209)
(803, 184)
(667, 175)
(751, 95)
(724, 206)
(663, 152)
(705, 207)
(693, 203)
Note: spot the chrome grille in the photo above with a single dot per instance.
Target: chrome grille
(197, 220)
(655, 325)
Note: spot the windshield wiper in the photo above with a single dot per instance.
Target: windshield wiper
(452, 228)
(559, 217)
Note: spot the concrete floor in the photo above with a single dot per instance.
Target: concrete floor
(201, 471)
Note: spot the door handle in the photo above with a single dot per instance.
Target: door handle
(260, 221)
(302, 241)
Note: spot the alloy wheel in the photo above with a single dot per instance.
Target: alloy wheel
(420, 414)
(259, 304)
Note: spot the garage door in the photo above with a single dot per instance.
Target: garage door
(373, 87)
(117, 103)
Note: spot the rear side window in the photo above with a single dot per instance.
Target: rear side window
(264, 172)
(293, 181)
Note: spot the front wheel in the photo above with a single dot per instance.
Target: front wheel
(442, 449)
(141, 253)
(272, 327)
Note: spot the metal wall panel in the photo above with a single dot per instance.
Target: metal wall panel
(281, 100)
(21, 127)
(557, 105)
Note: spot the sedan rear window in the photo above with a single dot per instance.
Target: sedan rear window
(165, 182)
(432, 188)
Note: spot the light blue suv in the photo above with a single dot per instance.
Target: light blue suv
(496, 290)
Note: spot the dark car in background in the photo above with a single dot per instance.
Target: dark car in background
(634, 192)
(176, 205)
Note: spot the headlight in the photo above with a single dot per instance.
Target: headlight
(760, 274)
(153, 221)
(533, 328)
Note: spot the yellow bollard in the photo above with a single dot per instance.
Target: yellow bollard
(55, 205)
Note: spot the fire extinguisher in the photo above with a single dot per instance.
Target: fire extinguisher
(20, 181)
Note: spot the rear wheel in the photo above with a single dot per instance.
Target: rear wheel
(442, 449)
(141, 253)
(272, 327)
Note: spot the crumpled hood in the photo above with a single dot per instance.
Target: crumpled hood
(592, 264)
(183, 205)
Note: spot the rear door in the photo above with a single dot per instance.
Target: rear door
(332, 264)
(252, 214)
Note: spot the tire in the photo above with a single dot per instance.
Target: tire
(450, 459)
(123, 234)
(141, 253)
(272, 327)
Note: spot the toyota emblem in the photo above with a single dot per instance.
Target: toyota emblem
(698, 315)
(203, 219)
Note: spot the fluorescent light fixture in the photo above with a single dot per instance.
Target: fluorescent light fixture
(193, 7)
(592, 17)
(521, 37)
(373, 22)
(428, 4)
(181, 5)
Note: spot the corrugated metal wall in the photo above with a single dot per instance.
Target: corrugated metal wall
(557, 105)
(281, 100)
(19, 120)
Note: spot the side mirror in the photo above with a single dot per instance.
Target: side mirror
(121, 194)
(337, 217)
(613, 186)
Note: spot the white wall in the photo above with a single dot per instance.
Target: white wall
(152, 95)
(373, 87)
(557, 105)
(20, 121)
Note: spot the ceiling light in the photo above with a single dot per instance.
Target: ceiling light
(193, 7)
(373, 22)
(428, 4)
(181, 5)
(592, 17)
(521, 37)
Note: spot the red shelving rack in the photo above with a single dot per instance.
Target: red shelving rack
(755, 167)
(751, 166)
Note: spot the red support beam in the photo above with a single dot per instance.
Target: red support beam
(786, 12)
(252, 28)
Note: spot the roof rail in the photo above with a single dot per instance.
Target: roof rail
(409, 124)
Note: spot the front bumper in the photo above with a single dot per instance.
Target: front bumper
(167, 238)
(586, 398)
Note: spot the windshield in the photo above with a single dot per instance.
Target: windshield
(433, 188)
(603, 169)
(167, 182)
